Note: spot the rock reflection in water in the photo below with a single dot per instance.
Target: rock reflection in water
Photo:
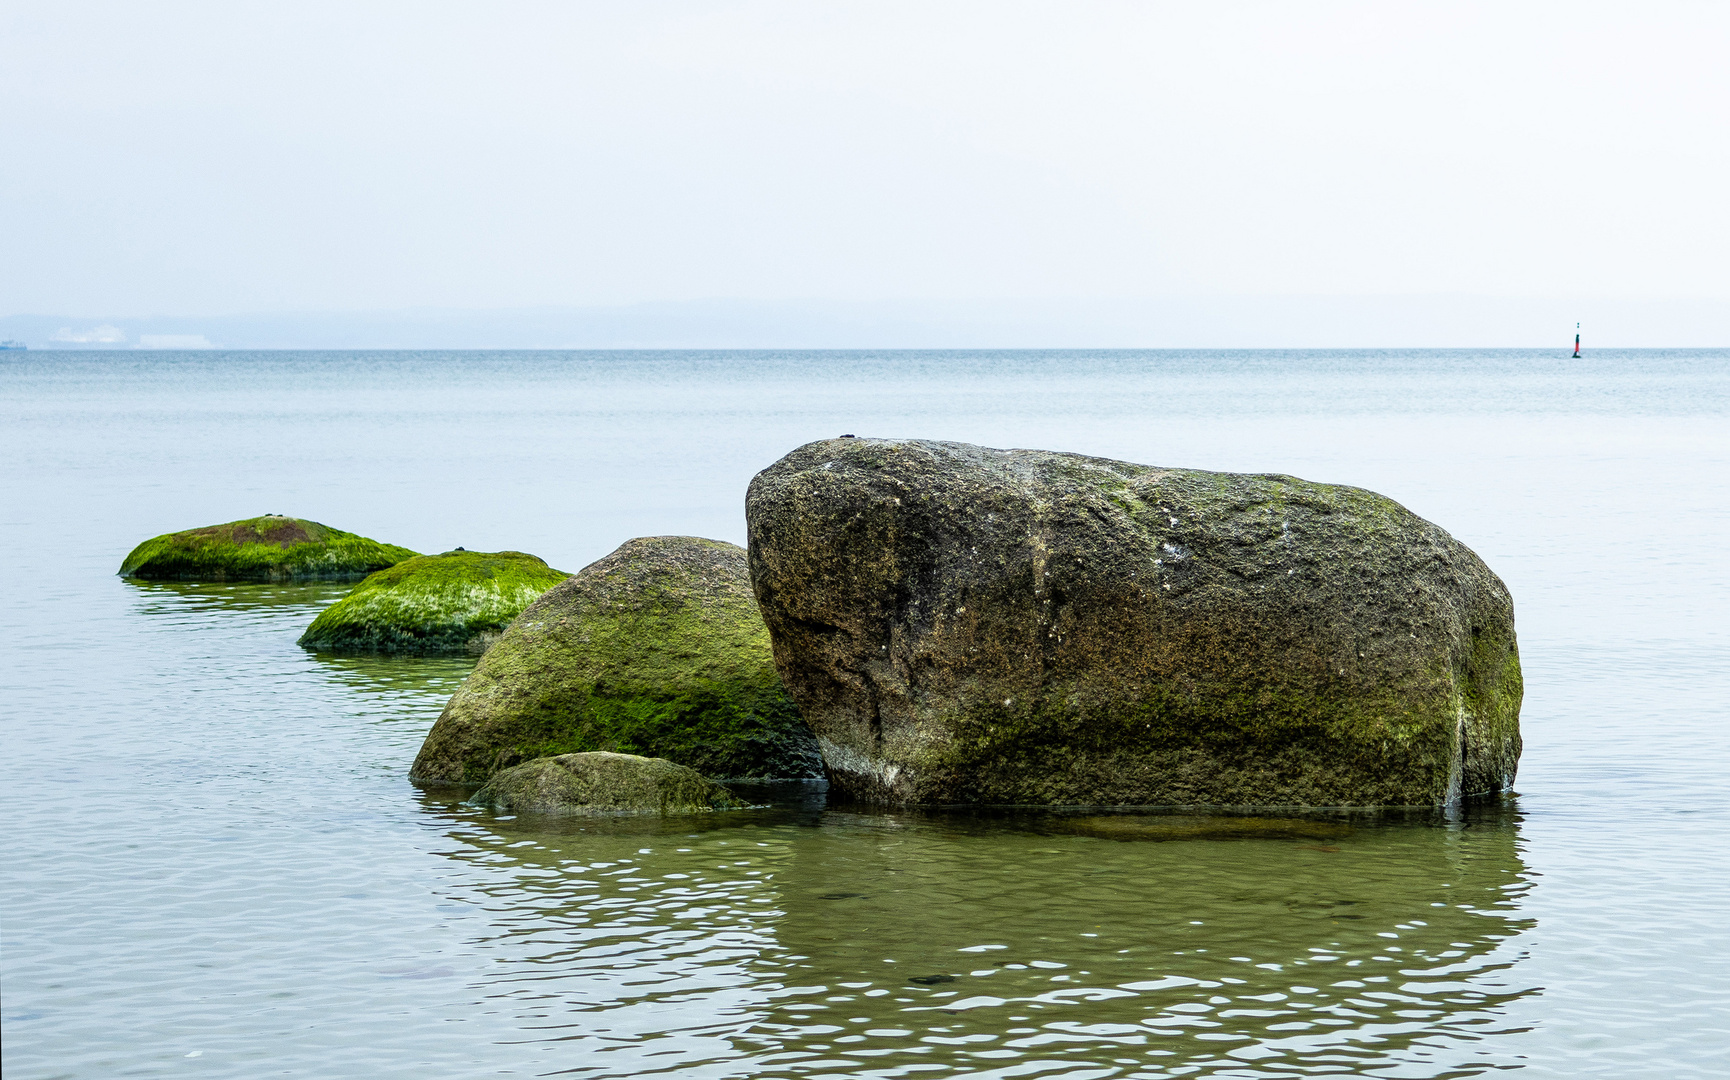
(210, 597)
(930, 944)
(282, 611)
(385, 673)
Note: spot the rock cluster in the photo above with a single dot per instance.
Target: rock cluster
(960, 624)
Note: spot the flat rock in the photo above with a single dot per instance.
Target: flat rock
(268, 548)
(657, 649)
(604, 783)
(457, 602)
(960, 625)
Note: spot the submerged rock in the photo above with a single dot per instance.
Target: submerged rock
(457, 602)
(966, 625)
(657, 649)
(1173, 827)
(268, 548)
(604, 783)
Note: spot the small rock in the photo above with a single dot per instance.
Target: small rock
(458, 602)
(604, 783)
(269, 548)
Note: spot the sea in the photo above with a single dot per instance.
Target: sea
(215, 865)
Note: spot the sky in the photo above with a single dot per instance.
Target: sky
(216, 159)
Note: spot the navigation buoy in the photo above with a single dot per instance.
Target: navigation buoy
(1576, 341)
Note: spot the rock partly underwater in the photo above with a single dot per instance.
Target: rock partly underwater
(268, 548)
(604, 783)
(458, 602)
(657, 649)
(966, 625)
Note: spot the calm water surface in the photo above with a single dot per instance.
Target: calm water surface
(215, 865)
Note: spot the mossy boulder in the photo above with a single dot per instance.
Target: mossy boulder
(457, 602)
(268, 548)
(966, 625)
(657, 649)
(604, 783)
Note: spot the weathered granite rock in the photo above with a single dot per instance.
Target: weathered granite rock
(966, 625)
(268, 548)
(603, 783)
(657, 649)
(457, 602)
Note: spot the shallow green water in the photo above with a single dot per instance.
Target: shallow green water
(882, 941)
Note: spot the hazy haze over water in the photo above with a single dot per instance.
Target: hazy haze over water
(216, 865)
(1097, 159)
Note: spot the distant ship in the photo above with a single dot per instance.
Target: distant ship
(12, 346)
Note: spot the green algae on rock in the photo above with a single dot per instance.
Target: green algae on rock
(657, 649)
(268, 548)
(457, 602)
(604, 783)
(960, 624)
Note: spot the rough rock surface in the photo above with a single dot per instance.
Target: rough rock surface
(268, 548)
(657, 649)
(457, 602)
(966, 625)
(603, 783)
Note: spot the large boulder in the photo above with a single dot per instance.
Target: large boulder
(603, 783)
(966, 625)
(458, 602)
(657, 649)
(268, 548)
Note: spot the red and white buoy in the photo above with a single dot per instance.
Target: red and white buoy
(1576, 341)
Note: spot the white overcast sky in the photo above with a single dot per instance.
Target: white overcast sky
(228, 157)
